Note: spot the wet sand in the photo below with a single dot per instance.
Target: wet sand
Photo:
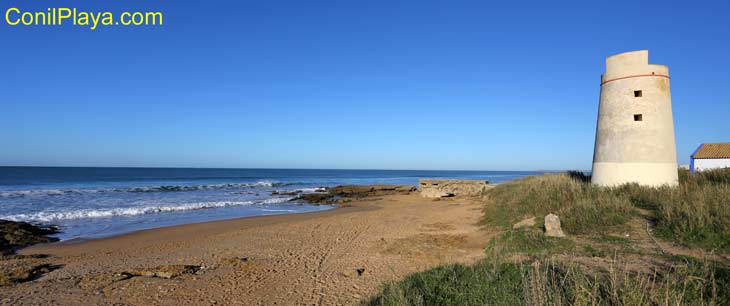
(334, 257)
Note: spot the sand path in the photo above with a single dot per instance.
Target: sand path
(304, 259)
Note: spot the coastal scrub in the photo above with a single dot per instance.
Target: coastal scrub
(610, 256)
(582, 207)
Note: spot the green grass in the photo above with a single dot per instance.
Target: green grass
(527, 241)
(582, 207)
(591, 251)
(695, 214)
(612, 240)
(480, 284)
(545, 282)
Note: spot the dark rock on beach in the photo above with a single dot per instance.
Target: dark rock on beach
(16, 268)
(14, 272)
(166, 271)
(99, 281)
(341, 194)
(15, 235)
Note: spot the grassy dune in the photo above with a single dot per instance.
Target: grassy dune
(697, 214)
(628, 245)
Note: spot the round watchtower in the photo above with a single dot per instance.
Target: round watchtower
(635, 130)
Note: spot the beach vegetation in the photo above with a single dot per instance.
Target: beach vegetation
(695, 214)
(555, 282)
(614, 252)
(582, 207)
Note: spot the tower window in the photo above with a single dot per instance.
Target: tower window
(638, 117)
(637, 93)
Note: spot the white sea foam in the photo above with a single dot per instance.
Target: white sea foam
(51, 216)
(274, 200)
(198, 187)
(310, 190)
(279, 210)
(36, 192)
(163, 188)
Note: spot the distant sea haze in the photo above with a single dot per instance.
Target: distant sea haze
(98, 202)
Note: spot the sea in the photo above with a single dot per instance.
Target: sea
(100, 202)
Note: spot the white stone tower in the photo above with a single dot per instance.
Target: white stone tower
(635, 131)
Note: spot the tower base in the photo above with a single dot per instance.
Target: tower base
(647, 174)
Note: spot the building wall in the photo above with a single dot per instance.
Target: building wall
(627, 150)
(706, 164)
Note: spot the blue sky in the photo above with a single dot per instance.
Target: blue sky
(476, 85)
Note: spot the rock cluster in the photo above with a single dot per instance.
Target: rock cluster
(15, 235)
(345, 193)
(448, 188)
(15, 268)
(19, 271)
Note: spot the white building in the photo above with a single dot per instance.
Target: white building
(710, 156)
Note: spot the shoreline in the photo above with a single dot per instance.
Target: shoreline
(103, 202)
(161, 229)
(92, 237)
(337, 256)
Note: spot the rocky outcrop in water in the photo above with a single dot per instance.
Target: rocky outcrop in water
(15, 235)
(341, 194)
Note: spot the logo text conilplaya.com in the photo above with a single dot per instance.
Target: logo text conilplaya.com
(63, 16)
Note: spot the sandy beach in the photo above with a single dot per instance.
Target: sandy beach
(334, 257)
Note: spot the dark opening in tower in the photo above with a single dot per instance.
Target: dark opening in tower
(638, 117)
(637, 93)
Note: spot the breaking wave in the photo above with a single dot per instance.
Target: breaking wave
(42, 192)
(133, 211)
(162, 188)
(311, 190)
(199, 187)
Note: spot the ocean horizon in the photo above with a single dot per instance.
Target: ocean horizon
(94, 202)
